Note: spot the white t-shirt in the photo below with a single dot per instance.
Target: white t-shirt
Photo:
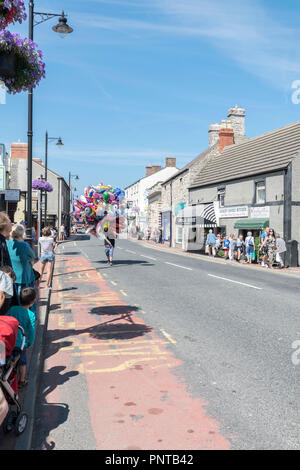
(6, 284)
(46, 245)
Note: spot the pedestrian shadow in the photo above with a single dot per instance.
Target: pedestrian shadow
(126, 262)
(51, 416)
(65, 289)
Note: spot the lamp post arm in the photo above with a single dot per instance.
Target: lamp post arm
(43, 17)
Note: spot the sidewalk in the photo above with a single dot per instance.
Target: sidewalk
(28, 395)
(210, 259)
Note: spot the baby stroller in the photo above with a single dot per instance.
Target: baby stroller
(10, 418)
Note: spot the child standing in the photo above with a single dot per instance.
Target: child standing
(26, 319)
(226, 245)
(47, 245)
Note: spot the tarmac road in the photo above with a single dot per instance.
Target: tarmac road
(228, 330)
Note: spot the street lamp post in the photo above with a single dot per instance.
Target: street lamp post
(59, 143)
(61, 28)
(76, 177)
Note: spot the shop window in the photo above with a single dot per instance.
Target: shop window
(179, 231)
(221, 197)
(260, 192)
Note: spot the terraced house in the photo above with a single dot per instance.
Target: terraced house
(253, 185)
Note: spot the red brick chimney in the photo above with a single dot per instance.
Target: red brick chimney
(148, 170)
(155, 168)
(226, 135)
(19, 150)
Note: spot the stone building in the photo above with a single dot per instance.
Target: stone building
(175, 190)
(58, 201)
(253, 185)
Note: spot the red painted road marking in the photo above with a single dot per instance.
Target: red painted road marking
(135, 399)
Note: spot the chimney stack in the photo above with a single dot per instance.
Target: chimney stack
(19, 150)
(148, 170)
(213, 134)
(155, 168)
(171, 162)
(237, 118)
(226, 135)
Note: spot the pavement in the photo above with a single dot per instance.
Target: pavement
(163, 338)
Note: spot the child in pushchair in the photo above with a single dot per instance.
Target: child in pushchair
(9, 358)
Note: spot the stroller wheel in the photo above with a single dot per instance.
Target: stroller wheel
(21, 423)
(9, 422)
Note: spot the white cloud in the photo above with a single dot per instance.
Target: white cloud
(244, 31)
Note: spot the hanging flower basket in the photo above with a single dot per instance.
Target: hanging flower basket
(42, 185)
(11, 11)
(29, 65)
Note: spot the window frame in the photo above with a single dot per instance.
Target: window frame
(256, 187)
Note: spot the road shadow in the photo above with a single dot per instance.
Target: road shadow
(114, 310)
(101, 332)
(121, 262)
(68, 253)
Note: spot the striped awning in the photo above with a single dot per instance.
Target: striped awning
(201, 215)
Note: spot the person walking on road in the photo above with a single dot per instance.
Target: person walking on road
(47, 246)
(109, 244)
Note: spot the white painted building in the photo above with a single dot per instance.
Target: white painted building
(137, 193)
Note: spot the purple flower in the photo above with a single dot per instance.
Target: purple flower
(30, 66)
(42, 185)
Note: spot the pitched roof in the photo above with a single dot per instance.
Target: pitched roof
(191, 163)
(265, 153)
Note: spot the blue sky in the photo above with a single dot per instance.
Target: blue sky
(140, 80)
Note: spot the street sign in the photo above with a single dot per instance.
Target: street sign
(12, 195)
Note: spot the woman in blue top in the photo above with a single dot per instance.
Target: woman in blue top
(22, 258)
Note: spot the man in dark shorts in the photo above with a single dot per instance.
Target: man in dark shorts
(109, 245)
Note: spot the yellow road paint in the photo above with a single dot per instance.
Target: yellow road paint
(169, 337)
(124, 293)
(116, 352)
(113, 283)
(125, 365)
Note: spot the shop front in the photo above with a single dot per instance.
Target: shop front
(193, 223)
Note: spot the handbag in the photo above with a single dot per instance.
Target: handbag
(207, 249)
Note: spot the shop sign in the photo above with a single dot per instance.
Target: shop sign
(260, 212)
(237, 211)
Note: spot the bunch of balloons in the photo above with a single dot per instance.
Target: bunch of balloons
(101, 208)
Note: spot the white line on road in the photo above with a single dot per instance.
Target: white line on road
(148, 257)
(129, 251)
(236, 282)
(178, 266)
